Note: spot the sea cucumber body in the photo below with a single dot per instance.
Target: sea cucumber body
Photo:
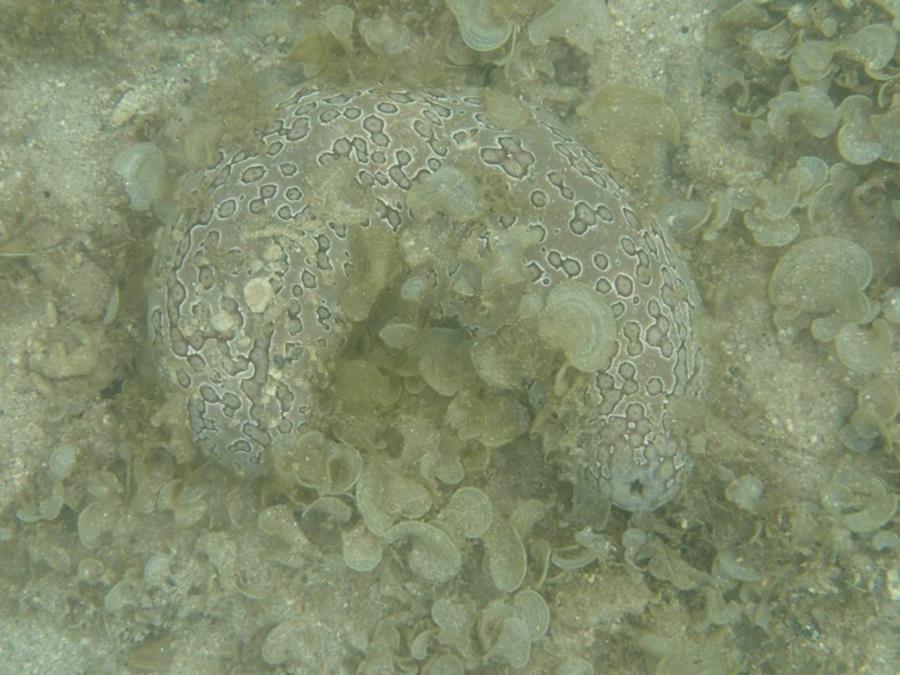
(245, 297)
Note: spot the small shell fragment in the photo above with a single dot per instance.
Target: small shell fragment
(112, 306)
(142, 167)
(258, 294)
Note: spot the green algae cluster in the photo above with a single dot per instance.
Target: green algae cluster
(815, 87)
(812, 87)
(825, 76)
(486, 25)
(824, 278)
(874, 420)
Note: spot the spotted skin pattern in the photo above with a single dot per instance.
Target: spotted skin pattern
(245, 294)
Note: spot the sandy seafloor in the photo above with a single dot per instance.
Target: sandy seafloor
(81, 81)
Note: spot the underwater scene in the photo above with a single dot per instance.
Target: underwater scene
(449, 336)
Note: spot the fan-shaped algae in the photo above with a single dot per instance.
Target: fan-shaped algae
(480, 27)
(445, 664)
(581, 22)
(580, 323)
(383, 35)
(809, 107)
(507, 562)
(532, 609)
(468, 512)
(384, 495)
(433, 554)
(313, 461)
(878, 403)
(361, 551)
(821, 278)
(878, 510)
(864, 349)
(323, 520)
(861, 503)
